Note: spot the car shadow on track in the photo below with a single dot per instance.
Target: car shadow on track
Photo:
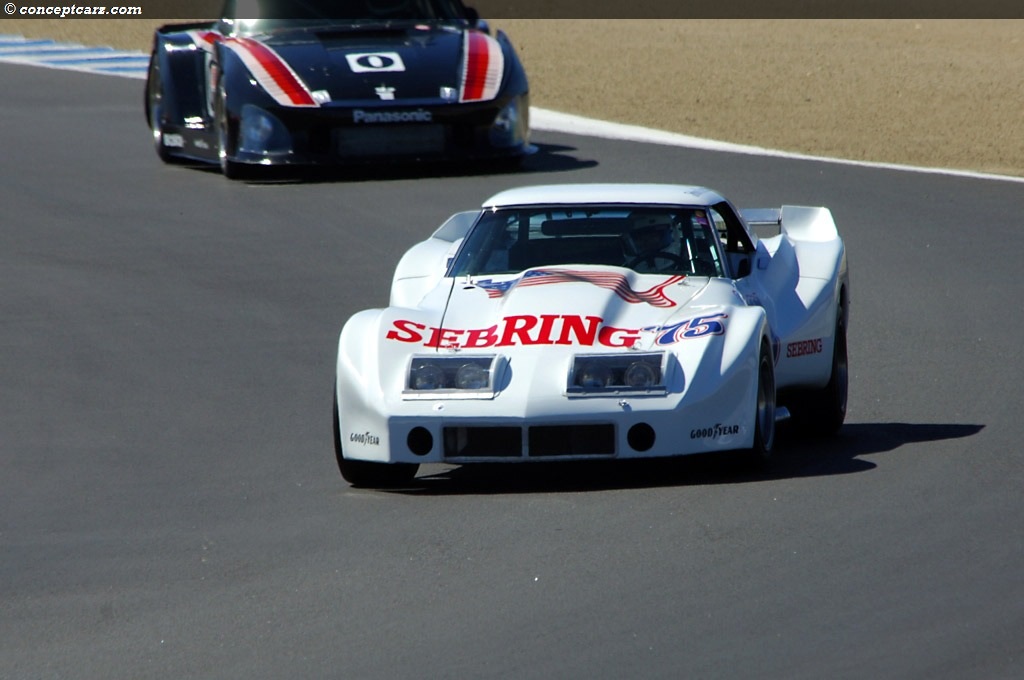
(796, 456)
(548, 158)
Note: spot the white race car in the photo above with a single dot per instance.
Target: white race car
(596, 321)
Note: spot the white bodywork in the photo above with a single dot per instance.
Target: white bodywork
(783, 291)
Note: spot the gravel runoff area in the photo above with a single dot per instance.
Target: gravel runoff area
(934, 93)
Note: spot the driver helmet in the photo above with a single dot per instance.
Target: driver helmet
(648, 233)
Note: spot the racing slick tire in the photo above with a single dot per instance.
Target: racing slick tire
(229, 168)
(361, 473)
(154, 112)
(759, 455)
(822, 412)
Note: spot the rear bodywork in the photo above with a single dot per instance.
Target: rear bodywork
(536, 329)
(337, 91)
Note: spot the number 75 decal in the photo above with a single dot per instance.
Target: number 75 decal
(697, 327)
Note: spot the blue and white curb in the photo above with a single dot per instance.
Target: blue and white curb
(128, 64)
(52, 54)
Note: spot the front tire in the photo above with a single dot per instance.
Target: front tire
(362, 473)
(231, 169)
(154, 111)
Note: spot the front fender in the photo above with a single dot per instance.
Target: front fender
(238, 84)
(358, 352)
(721, 371)
(357, 388)
(515, 81)
(424, 265)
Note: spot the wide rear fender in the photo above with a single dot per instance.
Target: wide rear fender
(181, 66)
(803, 271)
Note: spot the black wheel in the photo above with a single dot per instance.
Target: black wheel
(361, 473)
(822, 412)
(826, 409)
(760, 454)
(225, 135)
(154, 111)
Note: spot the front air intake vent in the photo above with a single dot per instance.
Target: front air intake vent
(572, 440)
(483, 442)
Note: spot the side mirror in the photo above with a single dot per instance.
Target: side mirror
(743, 268)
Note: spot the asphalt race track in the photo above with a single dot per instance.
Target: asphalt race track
(170, 505)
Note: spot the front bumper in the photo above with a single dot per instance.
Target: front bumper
(560, 429)
(337, 134)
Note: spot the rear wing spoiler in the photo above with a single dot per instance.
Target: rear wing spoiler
(801, 223)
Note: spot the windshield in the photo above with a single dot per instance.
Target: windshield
(262, 15)
(671, 240)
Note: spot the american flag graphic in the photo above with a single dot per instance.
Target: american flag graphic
(614, 282)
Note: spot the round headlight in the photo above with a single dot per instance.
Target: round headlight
(471, 377)
(426, 377)
(256, 130)
(261, 132)
(640, 374)
(593, 375)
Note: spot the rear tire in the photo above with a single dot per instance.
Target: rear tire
(822, 412)
(361, 473)
(760, 454)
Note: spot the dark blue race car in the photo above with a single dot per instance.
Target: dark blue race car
(314, 82)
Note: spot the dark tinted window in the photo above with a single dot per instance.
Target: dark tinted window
(342, 10)
(654, 239)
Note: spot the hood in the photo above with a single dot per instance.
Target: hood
(404, 64)
(538, 325)
(598, 308)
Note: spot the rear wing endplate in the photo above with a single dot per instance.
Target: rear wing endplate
(763, 222)
(800, 223)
